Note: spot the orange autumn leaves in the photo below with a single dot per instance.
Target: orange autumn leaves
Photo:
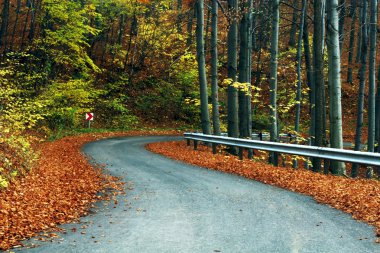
(61, 187)
(358, 197)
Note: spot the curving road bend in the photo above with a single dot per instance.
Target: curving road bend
(174, 207)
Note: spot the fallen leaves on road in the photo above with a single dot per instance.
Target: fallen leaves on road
(358, 197)
(61, 187)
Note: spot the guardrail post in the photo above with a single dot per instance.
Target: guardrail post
(195, 144)
(188, 142)
(214, 145)
(250, 154)
(241, 150)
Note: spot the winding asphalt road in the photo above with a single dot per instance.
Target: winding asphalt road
(173, 207)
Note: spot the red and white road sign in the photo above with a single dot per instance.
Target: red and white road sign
(89, 116)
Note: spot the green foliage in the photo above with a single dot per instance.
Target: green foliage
(261, 122)
(115, 114)
(67, 102)
(65, 31)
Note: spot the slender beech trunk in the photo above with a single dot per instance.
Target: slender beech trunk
(132, 33)
(245, 55)
(377, 136)
(232, 100)
(372, 80)
(352, 42)
(338, 168)
(214, 68)
(32, 26)
(318, 48)
(208, 22)
(18, 10)
(293, 29)
(310, 84)
(299, 76)
(121, 29)
(342, 17)
(4, 23)
(189, 40)
(179, 17)
(359, 45)
(206, 129)
(28, 3)
(273, 77)
(362, 80)
(249, 73)
(243, 74)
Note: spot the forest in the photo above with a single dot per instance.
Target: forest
(307, 68)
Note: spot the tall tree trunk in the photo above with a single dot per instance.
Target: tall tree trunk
(299, 76)
(273, 77)
(32, 26)
(232, 100)
(28, 3)
(372, 80)
(214, 68)
(205, 118)
(208, 21)
(377, 132)
(293, 29)
(310, 83)
(18, 10)
(249, 73)
(338, 168)
(359, 45)
(189, 40)
(362, 80)
(352, 42)
(179, 17)
(132, 33)
(342, 17)
(318, 48)
(243, 74)
(121, 32)
(4, 23)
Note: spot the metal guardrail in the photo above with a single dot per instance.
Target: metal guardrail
(294, 149)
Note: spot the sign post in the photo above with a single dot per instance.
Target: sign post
(89, 118)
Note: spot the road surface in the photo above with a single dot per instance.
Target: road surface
(173, 207)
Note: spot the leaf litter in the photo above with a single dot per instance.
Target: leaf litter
(61, 188)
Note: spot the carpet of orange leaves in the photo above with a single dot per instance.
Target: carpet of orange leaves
(358, 197)
(60, 188)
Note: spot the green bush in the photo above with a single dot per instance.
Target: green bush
(261, 122)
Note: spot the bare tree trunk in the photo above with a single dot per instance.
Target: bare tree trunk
(362, 78)
(299, 77)
(293, 29)
(273, 78)
(232, 100)
(28, 3)
(352, 42)
(342, 17)
(372, 80)
(338, 168)
(359, 46)
(4, 23)
(179, 17)
(214, 68)
(32, 21)
(189, 40)
(205, 118)
(318, 51)
(18, 10)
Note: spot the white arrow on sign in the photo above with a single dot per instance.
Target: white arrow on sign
(89, 116)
